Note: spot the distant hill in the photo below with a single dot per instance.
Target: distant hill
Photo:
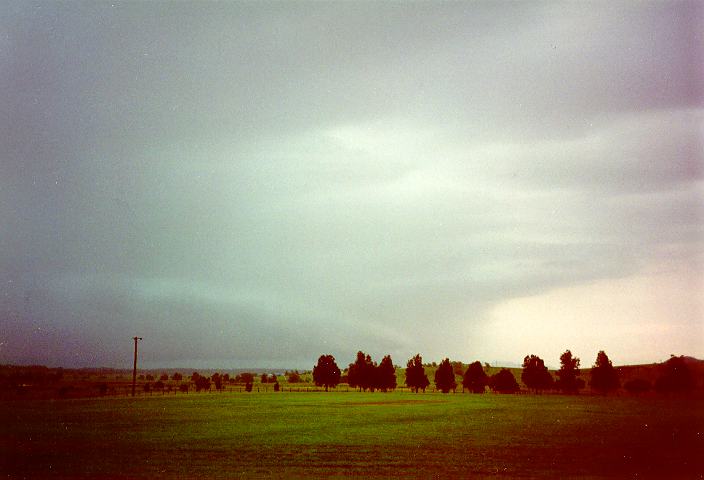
(652, 371)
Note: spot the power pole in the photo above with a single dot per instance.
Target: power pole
(134, 369)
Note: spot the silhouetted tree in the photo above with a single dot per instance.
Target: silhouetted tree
(150, 378)
(159, 386)
(475, 380)
(276, 386)
(357, 371)
(248, 387)
(568, 374)
(369, 374)
(504, 382)
(217, 381)
(604, 375)
(415, 374)
(226, 378)
(273, 379)
(176, 377)
(386, 374)
(363, 373)
(264, 378)
(445, 377)
(326, 373)
(676, 377)
(293, 377)
(164, 377)
(637, 385)
(183, 388)
(535, 374)
(202, 383)
(245, 377)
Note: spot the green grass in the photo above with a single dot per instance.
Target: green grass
(324, 435)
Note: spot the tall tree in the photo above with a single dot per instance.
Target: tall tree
(362, 373)
(217, 381)
(604, 375)
(535, 374)
(326, 373)
(415, 374)
(445, 377)
(355, 372)
(369, 374)
(475, 380)
(569, 381)
(504, 382)
(386, 374)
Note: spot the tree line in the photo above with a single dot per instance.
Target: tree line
(216, 380)
(677, 374)
(365, 374)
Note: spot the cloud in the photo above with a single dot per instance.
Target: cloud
(275, 180)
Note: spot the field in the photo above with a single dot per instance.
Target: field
(362, 435)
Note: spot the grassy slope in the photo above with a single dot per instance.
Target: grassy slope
(318, 435)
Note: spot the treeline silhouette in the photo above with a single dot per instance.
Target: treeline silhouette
(365, 374)
(677, 375)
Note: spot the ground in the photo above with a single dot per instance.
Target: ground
(351, 434)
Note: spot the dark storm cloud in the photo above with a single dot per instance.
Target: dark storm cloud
(255, 183)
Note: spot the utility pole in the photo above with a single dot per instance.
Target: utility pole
(134, 369)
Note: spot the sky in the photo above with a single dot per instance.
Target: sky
(255, 184)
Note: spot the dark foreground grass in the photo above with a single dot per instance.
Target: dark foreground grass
(328, 435)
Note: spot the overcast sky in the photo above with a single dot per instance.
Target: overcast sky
(256, 184)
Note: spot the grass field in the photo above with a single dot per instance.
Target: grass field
(324, 435)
